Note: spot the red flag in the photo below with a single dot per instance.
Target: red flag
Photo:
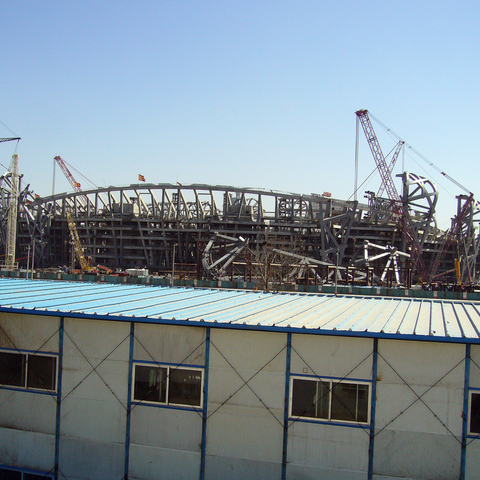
(141, 178)
(77, 185)
(37, 196)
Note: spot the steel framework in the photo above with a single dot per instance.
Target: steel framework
(145, 225)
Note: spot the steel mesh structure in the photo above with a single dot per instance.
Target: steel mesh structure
(156, 225)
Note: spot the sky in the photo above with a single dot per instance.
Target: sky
(258, 94)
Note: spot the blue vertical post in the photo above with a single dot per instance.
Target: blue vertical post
(129, 401)
(466, 387)
(59, 395)
(373, 409)
(286, 406)
(205, 404)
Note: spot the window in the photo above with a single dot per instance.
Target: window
(330, 400)
(28, 370)
(474, 423)
(7, 474)
(168, 385)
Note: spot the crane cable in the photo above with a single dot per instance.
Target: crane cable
(431, 164)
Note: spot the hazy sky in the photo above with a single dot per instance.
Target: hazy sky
(243, 93)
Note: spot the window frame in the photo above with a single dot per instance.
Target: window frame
(24, 472)
(169, 368)
(332, 382)
(472, 391)
(25, 371)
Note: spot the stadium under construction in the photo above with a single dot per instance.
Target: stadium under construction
(221, 231)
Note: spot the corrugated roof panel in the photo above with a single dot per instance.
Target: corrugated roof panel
(437, 325)
(258, 303)
(378, 315)
(182, 308)
(284, 312)
(424, 318)
(473, 313)
(367, 315)
(451, 322)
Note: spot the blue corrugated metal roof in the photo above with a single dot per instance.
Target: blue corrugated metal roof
(443, 320)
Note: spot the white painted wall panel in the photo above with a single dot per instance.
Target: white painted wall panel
(166, 428)
(28, 411)
(84, 459)
(243, 431)
(169, 343)
(149, 463)
(417, 455)
(29, 332)
(240, 469)
(415, 439)
(27, 449)
(328, 447)
(332, 356)
(473, 459)
(96, 339)
(475, 366)
(93, 420)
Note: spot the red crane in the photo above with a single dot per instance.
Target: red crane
(394, 197)
(76, 186)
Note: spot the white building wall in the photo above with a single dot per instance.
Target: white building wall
(245, 423)
(165, 443)
(94, 399)
(319, 450)
(410, 442)
(27, 420)
(473, 448)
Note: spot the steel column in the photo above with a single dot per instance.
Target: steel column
(373, 409)
(59, 396)
(466, 387)
(286, 406)
(205, 404)
(129, 401)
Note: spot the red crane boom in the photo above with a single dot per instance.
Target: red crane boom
(389, 185)
(76, 186)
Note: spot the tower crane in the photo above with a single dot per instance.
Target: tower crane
(394, 197)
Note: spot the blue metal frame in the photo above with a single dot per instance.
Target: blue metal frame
(286, 406)
(59, 395)
(371, 444)
(28, 471)
(129, 402)
(205, 403)
(466, 394)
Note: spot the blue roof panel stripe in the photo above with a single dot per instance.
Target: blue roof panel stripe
(441, 320)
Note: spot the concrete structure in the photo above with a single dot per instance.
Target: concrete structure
(106, 381)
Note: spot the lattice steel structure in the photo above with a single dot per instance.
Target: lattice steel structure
(146, 225)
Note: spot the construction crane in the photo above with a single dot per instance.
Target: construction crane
(77, 244)
(12, 215)
(10, 139)
(71, 179)
(394, 197)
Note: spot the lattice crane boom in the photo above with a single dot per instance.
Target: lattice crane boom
(71, 179)
(389, 185)
(77, 244)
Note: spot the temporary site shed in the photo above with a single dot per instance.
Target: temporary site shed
(110, 381)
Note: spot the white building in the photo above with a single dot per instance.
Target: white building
(104, 381)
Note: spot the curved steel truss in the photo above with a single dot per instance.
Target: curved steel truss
(158, 225)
